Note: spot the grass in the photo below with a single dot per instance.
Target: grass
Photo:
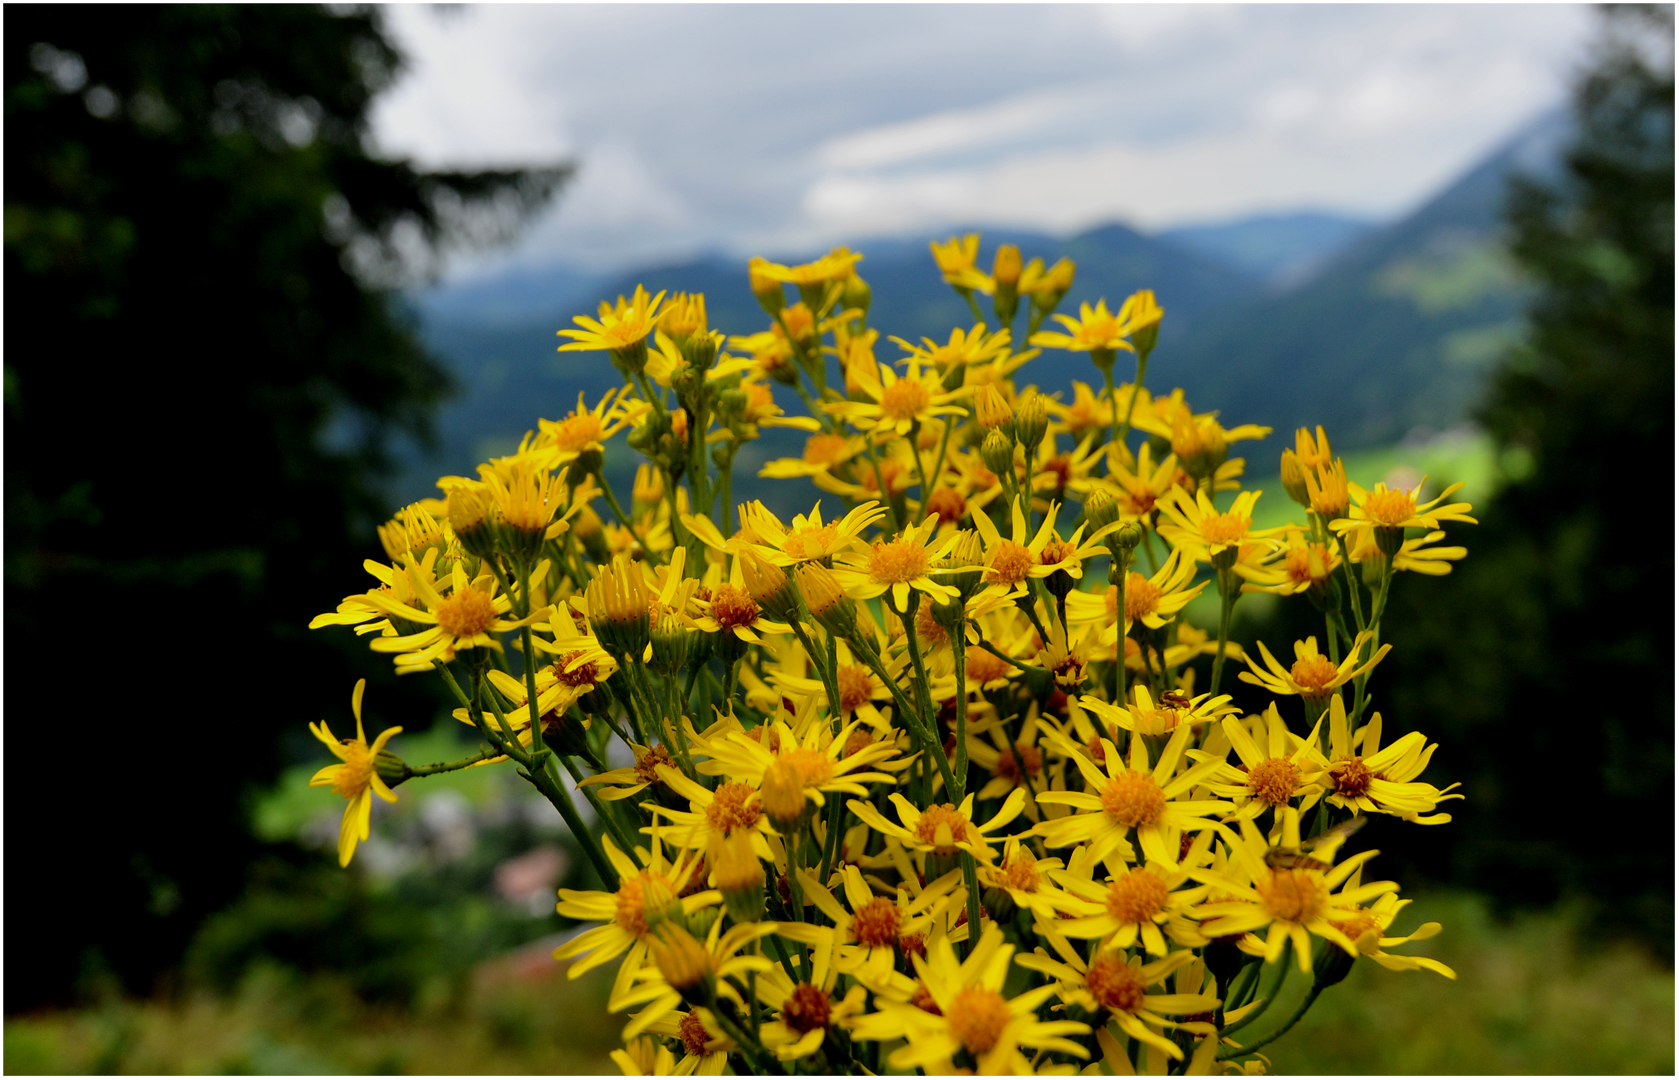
(1531, 997)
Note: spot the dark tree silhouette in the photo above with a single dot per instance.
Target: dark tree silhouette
(206, 367)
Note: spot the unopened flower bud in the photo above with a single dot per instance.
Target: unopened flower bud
(1005, 272)
(771, 296)
(470, 507)
(1100, 510)
(684, 963)
(856, 294)
(1053, 285)
(739, 875)
(587, 463)
(1103, 358)
(768, 586)
(800, 323)
(1124, 540)
(997, 451)
(826, 601)
(782, 795)
(1031, 422)
(993, 410)
(1294, 479)
(670, 646)
(1145, 320)
(391, 769)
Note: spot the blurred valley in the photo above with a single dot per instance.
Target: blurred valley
(1378, 332)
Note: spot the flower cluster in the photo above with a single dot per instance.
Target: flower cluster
(926, 780)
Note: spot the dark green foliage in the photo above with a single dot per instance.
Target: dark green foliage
(1544, 665)
(201, 389)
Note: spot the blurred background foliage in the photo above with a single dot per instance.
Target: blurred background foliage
(215, 377)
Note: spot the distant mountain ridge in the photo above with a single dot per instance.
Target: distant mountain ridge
(1392, 332)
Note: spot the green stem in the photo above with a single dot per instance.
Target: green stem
(1125, 426)
(971, 878)
(619, 836)
(959, 653)
(450, 766)
(1228, 593)
(973, 305)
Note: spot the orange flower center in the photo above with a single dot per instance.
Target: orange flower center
(1061, 466)
(904, 398)
(1115, 985)
(810, 543)
(858, 740)
(731, 808)
(577, 431)
(927, 629)
(466, 614)
(923, 999)
(694, 1035)
(732, 607)
(1273, 781)
(876, 923)
(1133, 798)
(1307, 564)
(1011, 562)
(356, 774)
(1136, 897)
(1020, 874)
(1352, 777)
(913, 945)
(1056, 551)
(943, 827)
(977, 1018)
(854, 688)
(1315, 675)
(948, 504)
(1008, 765)
(1357, 923)
(824, 449)
(645, 893)
(1141, 597)
(1293, 895)
(806, 1009)
(1224, 528)
(1387, 507)
(583, 674)
(1137, 498)
(813, 766)
(900, 560)
(647, 765)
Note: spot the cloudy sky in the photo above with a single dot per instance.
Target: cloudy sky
(772, 129)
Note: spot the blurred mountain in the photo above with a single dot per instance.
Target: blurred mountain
(1394, 336)
(1281, 249)
(1393, 331)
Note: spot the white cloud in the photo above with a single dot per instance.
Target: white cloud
(781, 125)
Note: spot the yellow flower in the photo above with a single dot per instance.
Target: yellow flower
(356, 777)
(1091, 410)
(621, 329)
(1011, 560)
(465, 619)
(823, 453)
(1385, 508)
(1294, 901)
(1365, 778)
(806, 1010)
(814, 764)
(1144, 715)
(1119, 797)
(966, 349)
(1112, 983)
(1366, 928)
(973, 1015)
(1287, 768)
(685, 968)
(1415, 555)
(878, 929)
(1196, 527)
(1095, 330)
(808, 538)
(904, 563)
(941, 829)
(897, 404)
(586, 428)
(1304, 564)
(649, 892)
(1137, 487)
(956, 258)
(1313, 676)
(1130, 906)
